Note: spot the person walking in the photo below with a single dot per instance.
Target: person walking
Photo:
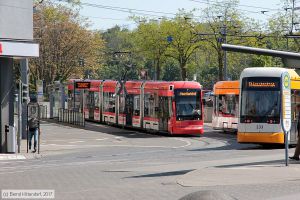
(297, 150)
(33, 123)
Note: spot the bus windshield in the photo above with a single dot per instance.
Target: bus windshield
(260, 100)
(188, 104)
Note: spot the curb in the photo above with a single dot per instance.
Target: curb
(12, 157)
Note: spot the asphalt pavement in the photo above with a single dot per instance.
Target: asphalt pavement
(104, 162)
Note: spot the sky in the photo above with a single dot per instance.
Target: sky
(103, 19)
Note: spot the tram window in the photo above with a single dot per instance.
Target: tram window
(136, 105)
(215, 103)
(96, 99)
(122, 104)
(226, 104)
(295, 101)
(155, 107)
(86, 99)
(164, 109)
(146, 105)
(70, 99)
(221, 103)
(92, 100)
(150, 104)
(109, 102)
(169, 100)
(188, 104)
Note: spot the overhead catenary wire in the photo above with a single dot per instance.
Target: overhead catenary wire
(151, 12)
(126, 10)
(238, 5)
(238, 9)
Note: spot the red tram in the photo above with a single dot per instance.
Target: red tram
(173, 107)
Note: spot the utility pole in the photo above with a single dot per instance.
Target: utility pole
(25, 79)
(293, 9)
(224, 28)
(224, 33)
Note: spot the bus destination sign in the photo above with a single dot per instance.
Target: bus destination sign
(82, 85)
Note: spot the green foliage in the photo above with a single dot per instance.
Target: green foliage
(64, 39)
(168, 49)
(171, 71)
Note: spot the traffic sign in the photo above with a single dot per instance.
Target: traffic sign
(286, 102)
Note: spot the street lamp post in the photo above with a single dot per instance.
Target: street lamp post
(224, 28)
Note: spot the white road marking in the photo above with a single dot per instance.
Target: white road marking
(11, 172)
(61, 145)
(188, 143)
(76, 142)
(11, 157)
(100, 139)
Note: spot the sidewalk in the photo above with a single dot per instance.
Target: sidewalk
(49, 131)
(255, 174)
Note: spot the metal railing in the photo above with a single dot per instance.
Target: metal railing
(71, 117)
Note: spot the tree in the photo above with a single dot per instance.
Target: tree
(152, 43)
(171, 71)
(120, 55)
(184, 40)
(223, 21)
(64, 40)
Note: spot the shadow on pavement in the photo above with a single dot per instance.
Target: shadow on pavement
(271, 162)
(172, 173)
(233, 145)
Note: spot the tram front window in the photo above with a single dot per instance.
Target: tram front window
(260, 100)
(227, 104)
(188, 104)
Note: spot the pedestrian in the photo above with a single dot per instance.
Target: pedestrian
(33, 123)
(297, 150)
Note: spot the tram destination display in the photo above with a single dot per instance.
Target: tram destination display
(82, 85)
(261, 83)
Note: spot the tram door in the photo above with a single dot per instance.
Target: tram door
(129, 109)
(91, 105)
(295, 116)
(164, 113)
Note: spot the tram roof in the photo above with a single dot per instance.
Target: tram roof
(176, 84)
(267, 72)
(226, 87)
(109, 83)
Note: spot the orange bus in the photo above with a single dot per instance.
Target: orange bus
(226, 105)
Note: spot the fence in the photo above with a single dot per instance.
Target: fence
(71, 117)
